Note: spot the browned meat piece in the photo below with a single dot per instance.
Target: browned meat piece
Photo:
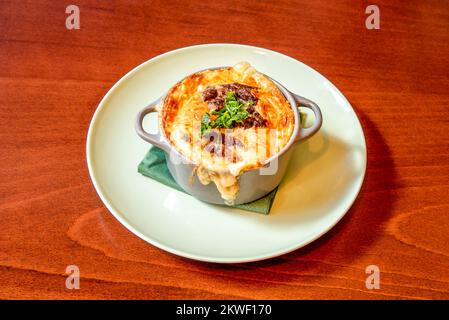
(209, 94)
(216, 95)
(242, 92)
(251, 109)
(254, 120)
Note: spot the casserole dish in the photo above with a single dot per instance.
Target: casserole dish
(253, 182)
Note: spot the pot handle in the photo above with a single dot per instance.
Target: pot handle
(154, 139)
(305, 133)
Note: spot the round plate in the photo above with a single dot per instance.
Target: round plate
(324, 176)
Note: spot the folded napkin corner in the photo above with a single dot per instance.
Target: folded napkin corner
(154, 166)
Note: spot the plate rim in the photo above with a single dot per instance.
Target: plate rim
(122, 219)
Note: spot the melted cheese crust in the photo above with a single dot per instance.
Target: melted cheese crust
(182, 110)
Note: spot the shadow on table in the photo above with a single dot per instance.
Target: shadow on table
(358, 228)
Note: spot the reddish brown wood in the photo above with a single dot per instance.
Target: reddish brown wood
(51, 80)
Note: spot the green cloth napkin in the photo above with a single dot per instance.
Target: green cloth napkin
(154, 166)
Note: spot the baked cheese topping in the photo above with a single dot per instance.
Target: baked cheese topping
(226, 121)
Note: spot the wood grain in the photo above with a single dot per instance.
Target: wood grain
(51, 80)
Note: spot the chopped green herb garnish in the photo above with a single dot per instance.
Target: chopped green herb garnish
(205, 123)
(232, 113)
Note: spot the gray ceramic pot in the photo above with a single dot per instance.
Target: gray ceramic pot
(254, 184)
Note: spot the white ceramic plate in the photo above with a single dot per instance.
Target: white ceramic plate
(322, 182)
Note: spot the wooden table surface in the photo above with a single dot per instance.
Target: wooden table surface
(52, 79)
